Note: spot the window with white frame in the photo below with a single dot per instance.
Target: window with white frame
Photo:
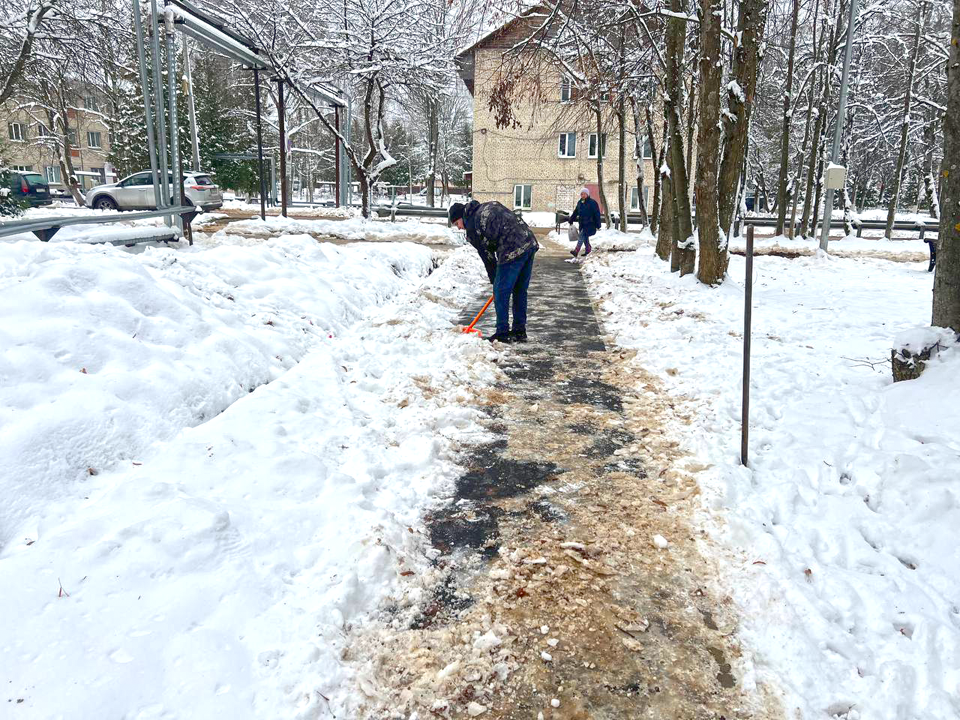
(635, 198)
(91, 103)
(72, 137)
(93, 139)
(52, 174)
(23, 168)
(566, 90)
(522, 197)
(647, 150)
(568, 145)
(593, 145)
(17, 131)
(43, 130)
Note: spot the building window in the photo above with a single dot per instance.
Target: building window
(566, 90)
(568, 145)
(93, 139)
(647, 150)
(52, 173)
(593, 145)
(635, 199)
(90, 103)
(99, 171)
(43, 130)
(23, 168)
(522, 197)
(17, 131)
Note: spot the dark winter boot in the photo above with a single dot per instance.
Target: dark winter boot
(505, 338)
(520, 335)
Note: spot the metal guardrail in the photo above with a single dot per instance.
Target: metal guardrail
(393, 211)
(46, 228)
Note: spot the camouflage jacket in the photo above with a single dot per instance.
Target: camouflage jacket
(497, 234)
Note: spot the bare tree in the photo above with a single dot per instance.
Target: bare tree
(712, 246)
(946, 282)
(905, 124)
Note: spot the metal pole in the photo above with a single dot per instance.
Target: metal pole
(176, 180)
(747, 320)
(347, 175)
(194, 137)
(283, 148)
(148, 110)
(838, 131)
(409, 180)
(262, 177)
(273, 181)
(336, 125)
(161, 125)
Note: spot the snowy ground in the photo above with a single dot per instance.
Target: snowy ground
(410, 229)
(216, 454)
(842, 532)
(907, 250)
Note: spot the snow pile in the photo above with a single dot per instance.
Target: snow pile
(842, 533)
(903, 250)
(353, 229)
(916, 340)
(211, 569)
(151, 344)
(610, 240)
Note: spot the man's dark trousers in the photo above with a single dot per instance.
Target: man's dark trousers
(512, 278)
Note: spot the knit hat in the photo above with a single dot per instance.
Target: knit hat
(585, 190)
(456, 212)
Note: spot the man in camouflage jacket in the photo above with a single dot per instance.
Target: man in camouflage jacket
(506, 246)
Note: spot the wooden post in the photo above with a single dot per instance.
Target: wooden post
(747, 318)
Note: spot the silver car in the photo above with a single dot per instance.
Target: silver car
(135, 192)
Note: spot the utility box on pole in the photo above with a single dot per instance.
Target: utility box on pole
(834, 177)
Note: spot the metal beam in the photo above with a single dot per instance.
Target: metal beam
(281, 112)
(260, 176)
(148, 109)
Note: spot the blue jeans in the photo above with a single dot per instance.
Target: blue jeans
(584, 239)
(512, 279)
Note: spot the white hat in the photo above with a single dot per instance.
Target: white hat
(585, 190)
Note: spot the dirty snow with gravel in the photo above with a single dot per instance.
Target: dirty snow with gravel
(211, 459)
(841, 536)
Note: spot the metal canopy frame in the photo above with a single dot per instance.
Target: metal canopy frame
(162, 133)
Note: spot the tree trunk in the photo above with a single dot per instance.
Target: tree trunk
(638, 149)
(740, 92)
(814, 156)
(787, 121)
(658, 158)
(682, 223)
(433, 142)
(845, 199)
(598, 115)
(691, 125)
(665, 237)
(713, 247)
(905, 125)
(622, 164)
(59, 124)
(946, 281)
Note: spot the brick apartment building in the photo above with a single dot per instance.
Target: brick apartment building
(28, 146)
(541, 165)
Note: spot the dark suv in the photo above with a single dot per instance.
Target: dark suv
(30, 188)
